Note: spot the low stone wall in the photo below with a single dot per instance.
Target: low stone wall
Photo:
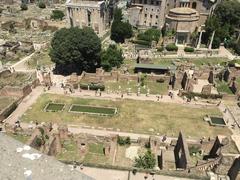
(114, 76)
(229, 97)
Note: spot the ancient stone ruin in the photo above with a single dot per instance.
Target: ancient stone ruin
(46, 140)
(181, 153)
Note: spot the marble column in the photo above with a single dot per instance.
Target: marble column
(210, 45)
(199, 40)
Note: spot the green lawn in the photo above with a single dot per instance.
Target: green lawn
(92, 109)
(155, 88)
(96, 154)
(133, 116)
(20, 137)
(223, 87)
(70, 151)
(96, 148)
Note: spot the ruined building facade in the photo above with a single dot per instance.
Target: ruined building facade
(147, 13)
(90, 13)
(182, 16)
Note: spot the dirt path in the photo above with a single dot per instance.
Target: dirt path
(24, 105)
(20, 65)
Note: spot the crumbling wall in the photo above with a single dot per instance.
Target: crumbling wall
(233, 172)
(16, 91)
(181, 153)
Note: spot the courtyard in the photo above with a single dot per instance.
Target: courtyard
(132, 116)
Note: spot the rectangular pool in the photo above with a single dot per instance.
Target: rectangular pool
(217, 121)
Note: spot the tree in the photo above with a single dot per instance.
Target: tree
(120, 30)
(147, 161)
(112, 57)
(57, 14)
(41, 5)
(24, 7)
(150, 35)
(75, 50)
(224, 21)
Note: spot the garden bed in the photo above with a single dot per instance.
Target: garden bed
(54, 107)
(98, 110)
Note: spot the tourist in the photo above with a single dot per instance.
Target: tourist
(158, 98)
(164, 138)
(122, 96)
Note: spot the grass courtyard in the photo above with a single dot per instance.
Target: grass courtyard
(133, 116)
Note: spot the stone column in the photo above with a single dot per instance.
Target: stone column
(210, 45)
(199, 40)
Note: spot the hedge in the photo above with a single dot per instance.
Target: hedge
(204, 96)
(57, 14)
(92, 86)
(189, 49)
(171, 47)
(141, 42)
(161, 80)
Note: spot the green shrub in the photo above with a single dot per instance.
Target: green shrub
(141, 42)
(160, 49)
(57, 14)
(147, 161)
(189, 49)
(41, 5)
(92, 86)
(161, 80)
(121, 141)
(38, 141)
(24, 7)
(171, 47)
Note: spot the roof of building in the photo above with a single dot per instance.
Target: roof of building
(19, 161)
(183, 10)
(154, 66)
(81, 3)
